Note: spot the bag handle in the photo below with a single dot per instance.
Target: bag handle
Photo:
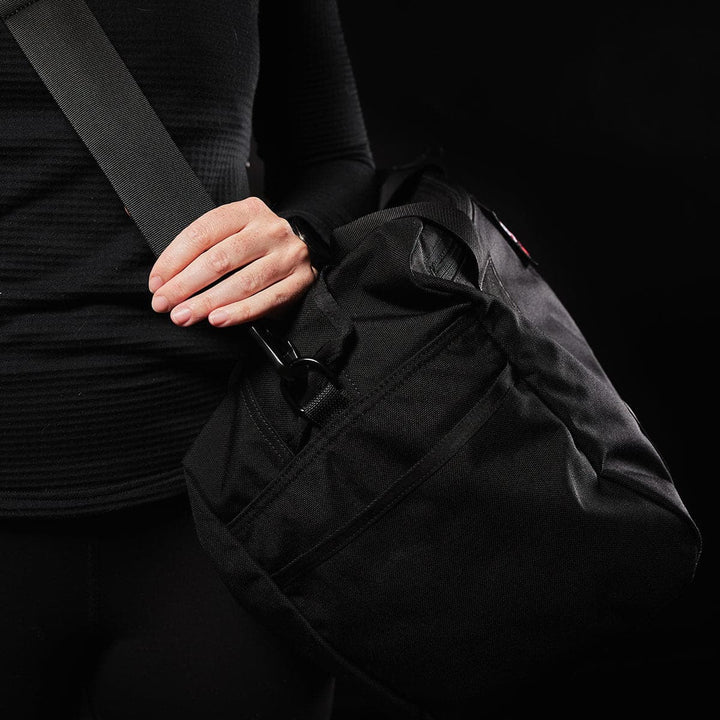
(444, 214)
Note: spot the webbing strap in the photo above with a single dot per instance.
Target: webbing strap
(102, 101)
(95, 90)
(349, 235)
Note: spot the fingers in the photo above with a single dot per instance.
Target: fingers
(237, 261)
(252, 279)
(202, 234)
(230, 254)
(266, 301)
(277, 277)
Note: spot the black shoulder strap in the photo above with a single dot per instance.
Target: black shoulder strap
(95, 90)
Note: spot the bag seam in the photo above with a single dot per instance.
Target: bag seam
(569, 427)
(310, 452)
(375, 516)
(653, 497)
(263, 426)
(337, 656)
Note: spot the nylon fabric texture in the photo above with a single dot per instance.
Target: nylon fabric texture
(115, 139)
(484, 505)
(103, 396)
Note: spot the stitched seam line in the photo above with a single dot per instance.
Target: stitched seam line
(19, 9)
(373, 513)
(387, 386)
(267, 432)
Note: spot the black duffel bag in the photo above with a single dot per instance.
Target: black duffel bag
(442, 491)
(420, 476)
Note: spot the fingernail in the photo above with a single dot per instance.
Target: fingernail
(155, 283)
(160, 304)
(181, 315)
(218, 317)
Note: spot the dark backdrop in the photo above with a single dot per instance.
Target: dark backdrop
(595, 137)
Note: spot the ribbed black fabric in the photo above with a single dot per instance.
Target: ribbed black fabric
(97, 94)
(101, 397)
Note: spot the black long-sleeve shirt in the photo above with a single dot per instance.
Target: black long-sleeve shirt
(99, 396)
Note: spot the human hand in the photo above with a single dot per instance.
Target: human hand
(263, 263)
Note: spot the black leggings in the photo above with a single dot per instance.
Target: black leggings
(125, 610)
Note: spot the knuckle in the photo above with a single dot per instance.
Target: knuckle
(310, 274)
(253, 280)
(220, 261)
(279, 229)
(221, 214)
(296, 256)
(301, 253)
(284, 297)
(254, 204)
(198, 234)
(284, 229)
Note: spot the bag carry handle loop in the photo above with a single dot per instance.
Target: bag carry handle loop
(443, 214)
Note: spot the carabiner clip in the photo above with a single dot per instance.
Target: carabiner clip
(282, 353)
(294, 370)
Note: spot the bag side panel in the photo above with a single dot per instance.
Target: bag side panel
(494, 566)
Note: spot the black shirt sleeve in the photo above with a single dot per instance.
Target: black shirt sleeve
(308, 125)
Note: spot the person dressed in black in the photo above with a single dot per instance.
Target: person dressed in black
(112, 361)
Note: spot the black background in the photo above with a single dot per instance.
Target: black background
(594, 135)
